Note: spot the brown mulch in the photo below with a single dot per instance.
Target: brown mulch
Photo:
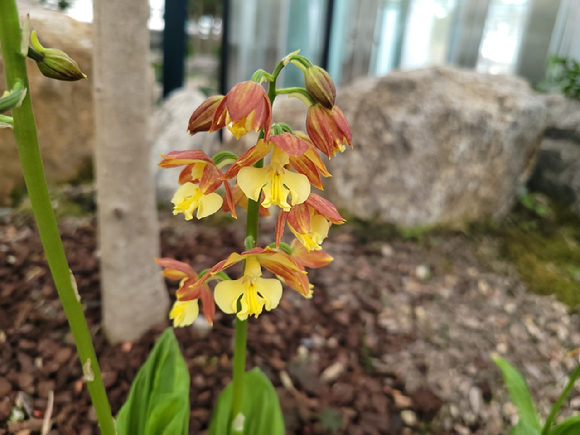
(316, 352)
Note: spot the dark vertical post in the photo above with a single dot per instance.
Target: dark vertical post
(224, 53)
(225, 48)
(325, 58)
(174, 45)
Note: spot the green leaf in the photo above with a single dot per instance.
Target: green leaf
(158, 402)
(570, 426)
(261, 408)
(520, 397)
(523, 428)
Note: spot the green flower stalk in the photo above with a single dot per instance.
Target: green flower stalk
(31, 161)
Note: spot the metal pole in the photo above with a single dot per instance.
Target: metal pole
(225, 48)
(324, 61)
(174, 45)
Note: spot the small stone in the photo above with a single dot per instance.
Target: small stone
(574, 403)
(510, 308)
(402, 401)
(26, 382)
(5, 387)
(475, 399)
(333, 371)
(63, 355)
(332, 343)
(409, 417)
(461, 430)
(201, 326)
(423, 272)
(92, 414)
(387, 250)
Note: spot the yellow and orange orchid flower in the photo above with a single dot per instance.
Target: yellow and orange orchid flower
(245, 108)
(185, 310)
(199, 180)
(252, 291)
(309, 221)
(275, 180)
(328, 129)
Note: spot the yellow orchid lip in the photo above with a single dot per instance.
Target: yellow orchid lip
(275, 181)
(190, 197)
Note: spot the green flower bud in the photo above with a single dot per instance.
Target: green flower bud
(320, 86)
(14, 98)
(53, 63)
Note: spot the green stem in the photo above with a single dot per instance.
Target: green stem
(297, 92)
(241, 334)
(567, 390)
(31, 161)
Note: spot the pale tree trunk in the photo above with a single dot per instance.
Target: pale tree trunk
(133, 293)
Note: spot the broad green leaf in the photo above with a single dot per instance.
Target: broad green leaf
(261, 408)
(570, 426)
(158, 402)
(523, 428)
(520, 396)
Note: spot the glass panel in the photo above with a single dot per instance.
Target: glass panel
(427, 33)
(502, 36)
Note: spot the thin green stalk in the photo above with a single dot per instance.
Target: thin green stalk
(567, 390)
(241, 334)
(31, 161)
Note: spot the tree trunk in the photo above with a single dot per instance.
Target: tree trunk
(133, 293)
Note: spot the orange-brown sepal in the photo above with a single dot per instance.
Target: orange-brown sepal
(174, 269)
(257, 152)
(180, 158)
(202, 117)
(305, 258)
(328, 129)
(325, 208)
(320, 86)
(290, 144)
(246, 107)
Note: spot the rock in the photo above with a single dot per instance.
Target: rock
(432, 146)
(333, 371)
(170, 133)
(63, 110)
(557, 173)
(409, 417)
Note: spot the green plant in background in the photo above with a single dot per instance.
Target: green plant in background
(563, 74)
(529, 422)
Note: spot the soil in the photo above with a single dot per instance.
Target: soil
(361, 357)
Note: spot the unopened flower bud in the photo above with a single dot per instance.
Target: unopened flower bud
(53, 63)
(319, 84)
(202, 117)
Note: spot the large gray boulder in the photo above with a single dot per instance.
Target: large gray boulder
(557, 173)
(433, 146)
